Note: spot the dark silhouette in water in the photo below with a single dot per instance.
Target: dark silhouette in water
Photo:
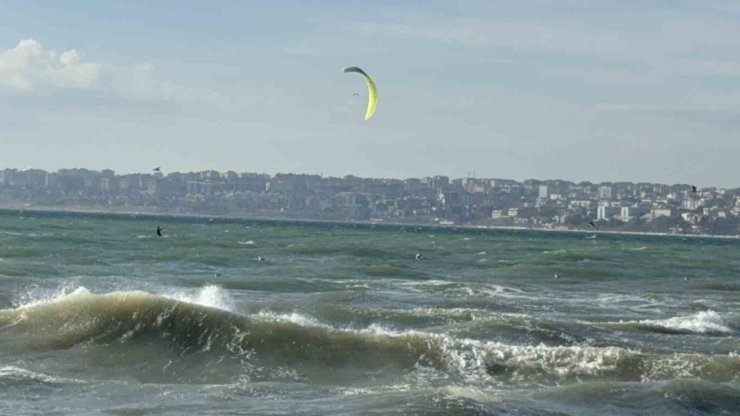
(418, 257)
(159, 231)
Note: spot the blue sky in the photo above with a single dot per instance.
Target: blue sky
(579, 90)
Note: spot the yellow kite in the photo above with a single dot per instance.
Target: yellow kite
(372, 99)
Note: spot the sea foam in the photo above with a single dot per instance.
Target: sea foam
(704, 322)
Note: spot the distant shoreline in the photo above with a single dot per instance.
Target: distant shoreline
(151, 214)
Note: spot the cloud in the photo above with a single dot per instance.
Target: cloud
(30, 68)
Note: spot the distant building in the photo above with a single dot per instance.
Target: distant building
(209, 174)
(691, 217)
(659, 212)
(632, 211)
(543, 192)
(532, 203)
(692, 203)
(606, 212)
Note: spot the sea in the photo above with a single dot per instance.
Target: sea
(100, 316)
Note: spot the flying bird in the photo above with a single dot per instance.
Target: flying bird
(418, 257)
(693, 189)
(372, 99)
(591, 223)
(356, 95)
(157, 169)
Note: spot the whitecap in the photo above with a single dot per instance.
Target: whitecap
(704, 322)
(212, 296)
(21, 375)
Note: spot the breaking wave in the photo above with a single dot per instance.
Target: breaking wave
(202, 330)
(13, 376)
(704, 322)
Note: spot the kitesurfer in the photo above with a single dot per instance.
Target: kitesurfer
(372, 99)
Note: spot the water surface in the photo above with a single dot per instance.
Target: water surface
(100, 316)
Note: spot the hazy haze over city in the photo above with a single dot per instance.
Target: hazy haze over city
(615, 91)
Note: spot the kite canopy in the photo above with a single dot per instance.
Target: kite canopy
(372, 99)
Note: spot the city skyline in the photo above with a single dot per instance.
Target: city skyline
(628, 92)
(469, 175)
(543, 204)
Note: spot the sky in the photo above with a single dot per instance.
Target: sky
(564, 89)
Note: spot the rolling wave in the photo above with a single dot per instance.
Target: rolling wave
(704, 322)
(199, 327)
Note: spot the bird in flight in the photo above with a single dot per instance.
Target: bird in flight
(157, 169)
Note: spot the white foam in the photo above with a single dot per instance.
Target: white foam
(212, 296)
(37, 296)
(472, 313)
(294, 317)
(471, 357)
(20, 374)
(494, 291)
(702, 322)
(433, 282)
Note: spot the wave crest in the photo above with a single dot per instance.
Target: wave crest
(303, 345)
(704, 322)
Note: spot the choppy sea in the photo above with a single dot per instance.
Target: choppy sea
(99, 315)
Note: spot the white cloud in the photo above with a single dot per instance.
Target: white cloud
(31, 68)
(28, 67)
